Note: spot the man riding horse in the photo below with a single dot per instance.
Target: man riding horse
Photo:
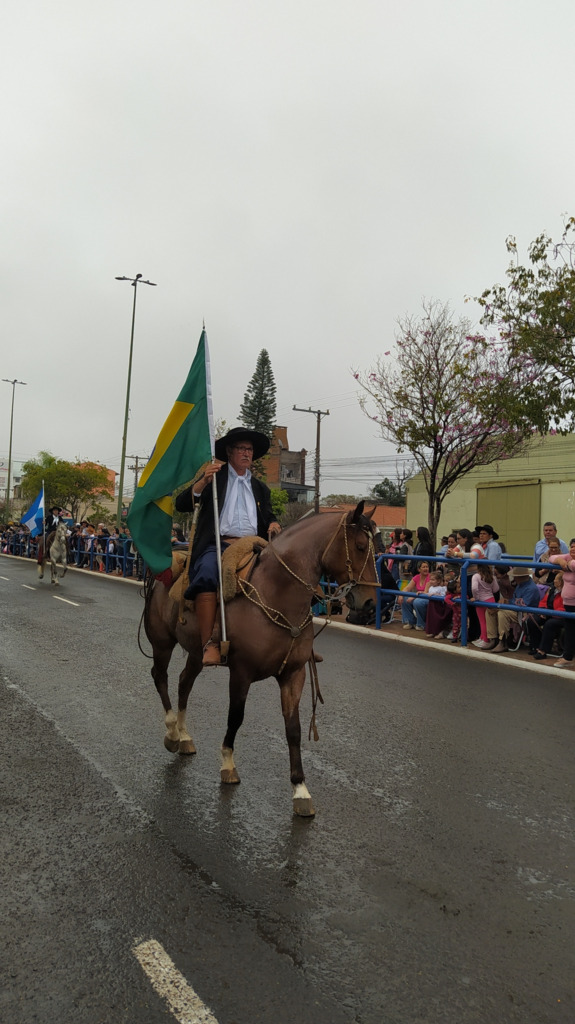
(52, 520)
(244, 510)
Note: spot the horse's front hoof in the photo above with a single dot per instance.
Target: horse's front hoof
(303, 807)
(172, 745)
(229, 776)
(186, 747)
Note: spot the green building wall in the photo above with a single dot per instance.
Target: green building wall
(515, 496)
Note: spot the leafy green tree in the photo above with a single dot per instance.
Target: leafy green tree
(75, 486)
(280, 499)
(258, 409)
(389, 492)
(444, 399)
(534, 317)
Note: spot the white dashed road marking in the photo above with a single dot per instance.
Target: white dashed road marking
(66, 601)
(186, 1006)
(26, 587)
(5, 578)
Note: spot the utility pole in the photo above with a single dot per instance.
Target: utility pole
(136, 469)
(318, 414)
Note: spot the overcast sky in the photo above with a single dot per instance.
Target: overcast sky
(299, 174)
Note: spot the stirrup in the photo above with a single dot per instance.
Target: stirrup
(211, 655)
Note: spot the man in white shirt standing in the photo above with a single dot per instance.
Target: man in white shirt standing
(244, 510)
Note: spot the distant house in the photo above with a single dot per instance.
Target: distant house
(285, 469)
(515, 496)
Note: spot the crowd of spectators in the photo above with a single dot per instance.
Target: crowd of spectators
(93, 547)
(490, 625)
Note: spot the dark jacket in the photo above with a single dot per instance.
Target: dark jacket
(52, 522)
(205, 533)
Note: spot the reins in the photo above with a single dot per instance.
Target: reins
(277, 617)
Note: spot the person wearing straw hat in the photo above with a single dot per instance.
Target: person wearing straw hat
(245, 509)
(525, 594)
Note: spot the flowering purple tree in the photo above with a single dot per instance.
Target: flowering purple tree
(444, 400)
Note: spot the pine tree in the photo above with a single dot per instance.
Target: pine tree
(258, 409)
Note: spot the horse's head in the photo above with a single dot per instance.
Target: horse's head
(350, 557)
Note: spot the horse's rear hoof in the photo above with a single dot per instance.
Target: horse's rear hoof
(186, 747)
(229, 775)
(172, 745)
(303, 807)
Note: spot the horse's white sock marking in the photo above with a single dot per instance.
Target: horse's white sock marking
(301, 792)
(186, 1006)
(227, 759)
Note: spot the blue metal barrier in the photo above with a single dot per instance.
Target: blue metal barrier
(128, 561)
(463, 565)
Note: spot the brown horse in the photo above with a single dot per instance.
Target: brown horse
(269, 627)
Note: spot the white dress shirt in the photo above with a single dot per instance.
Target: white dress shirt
(239, 515)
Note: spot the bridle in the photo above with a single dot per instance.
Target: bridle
(344, 588)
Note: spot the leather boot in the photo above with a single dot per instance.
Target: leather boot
(205, 606)
(501, 647)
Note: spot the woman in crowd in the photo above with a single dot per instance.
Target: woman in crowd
(547, 576)
(543, 630)
(405, 548)
(394, 563)
(468, 548)
(424, 545)
(417, 585)
(483, 588)
(567, 563)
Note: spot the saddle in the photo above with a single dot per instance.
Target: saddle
(179, 577)
(238, 561)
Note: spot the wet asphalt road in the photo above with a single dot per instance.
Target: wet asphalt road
(436, 883)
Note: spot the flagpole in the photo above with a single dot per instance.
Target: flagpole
(43, 519)
(224, 645)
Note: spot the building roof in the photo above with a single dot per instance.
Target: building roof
(384, 515)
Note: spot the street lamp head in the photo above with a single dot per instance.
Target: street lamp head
(135, 280)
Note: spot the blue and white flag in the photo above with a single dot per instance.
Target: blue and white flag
(34, 517)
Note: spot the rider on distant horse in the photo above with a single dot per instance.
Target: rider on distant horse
(245, 510)
(51, 521)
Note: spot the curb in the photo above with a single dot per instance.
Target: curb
(75, 568)
(495, 659)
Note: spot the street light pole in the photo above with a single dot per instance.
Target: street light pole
(134, 281)
(13, 383)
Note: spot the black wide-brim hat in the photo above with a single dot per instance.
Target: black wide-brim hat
(489, 529)
(56, 509)
(260, 442)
